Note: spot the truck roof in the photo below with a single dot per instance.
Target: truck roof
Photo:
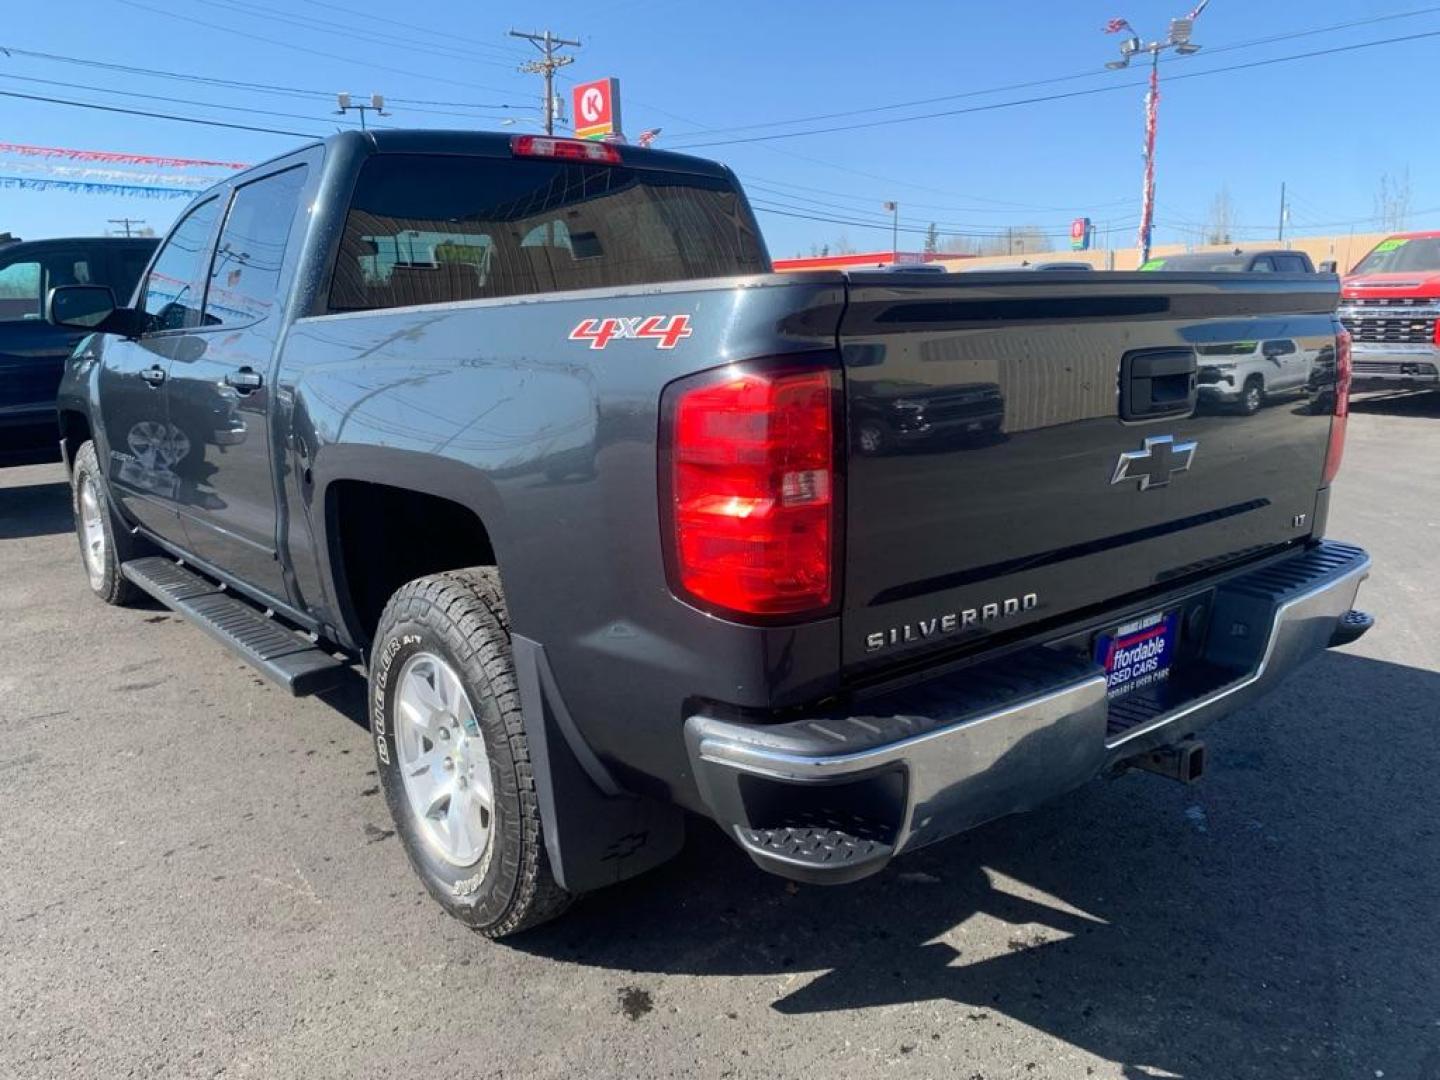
(11, 245)
(498, 143)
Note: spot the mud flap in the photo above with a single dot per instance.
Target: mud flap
(596, 833)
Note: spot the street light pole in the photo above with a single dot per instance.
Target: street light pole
(1179, 40)
(894, 208)
(1152, 122)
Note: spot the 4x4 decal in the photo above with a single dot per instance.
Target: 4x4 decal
(667, 332)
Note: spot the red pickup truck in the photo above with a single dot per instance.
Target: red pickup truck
(1391, 306)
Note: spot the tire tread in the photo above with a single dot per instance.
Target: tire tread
(472, 606)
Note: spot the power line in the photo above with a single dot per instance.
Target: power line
(766, 206)
(301, 48)
(157, 115)
(162, 97)
(511, 54)
(1041, 99)
(1004, 208)
(329, 26)
(236, 84)
(1089, 74)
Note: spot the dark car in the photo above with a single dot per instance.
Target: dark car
(529, 428)
(32, 352)
(1239, 261)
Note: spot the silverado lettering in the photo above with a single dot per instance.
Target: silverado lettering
(950, 623)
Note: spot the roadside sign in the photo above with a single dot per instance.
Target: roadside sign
(1080, 234)
(597, 109)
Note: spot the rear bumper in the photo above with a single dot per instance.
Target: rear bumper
(1397, 368)
(835, 796)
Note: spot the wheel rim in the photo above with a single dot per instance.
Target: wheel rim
(1252, 399)
(92, 532)
(443, 761)
(869, 440)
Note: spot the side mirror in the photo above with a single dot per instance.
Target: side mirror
(1329, 266)
(90, 308)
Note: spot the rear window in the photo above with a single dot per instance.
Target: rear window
(428, 229)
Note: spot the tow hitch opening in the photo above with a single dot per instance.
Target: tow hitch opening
(1183, 761)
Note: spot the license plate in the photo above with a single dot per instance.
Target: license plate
(1139, 653)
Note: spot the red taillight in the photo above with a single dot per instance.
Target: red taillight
(752, 491)
(1343, 373)
(566, 149)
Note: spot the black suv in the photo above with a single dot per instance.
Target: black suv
(32, 352)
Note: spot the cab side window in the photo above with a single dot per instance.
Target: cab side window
(245, 275)
(175, 289)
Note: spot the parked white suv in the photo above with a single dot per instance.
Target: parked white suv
(1245, 373)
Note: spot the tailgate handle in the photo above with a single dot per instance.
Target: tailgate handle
(1158, 383)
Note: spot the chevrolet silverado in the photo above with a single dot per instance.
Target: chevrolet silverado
(527, 429)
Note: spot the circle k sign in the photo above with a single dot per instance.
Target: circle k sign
(597, 108)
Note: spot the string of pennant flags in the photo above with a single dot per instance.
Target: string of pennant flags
(49, 168)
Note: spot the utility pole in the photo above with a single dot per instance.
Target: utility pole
(126, 222)
(550, 63)
(894, 208)
(1131, 46)
(1282, 212)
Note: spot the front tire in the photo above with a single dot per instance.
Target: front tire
(452, 753)
(104, 541)
(1252, 397)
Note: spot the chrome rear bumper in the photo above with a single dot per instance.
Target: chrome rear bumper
(835, 796)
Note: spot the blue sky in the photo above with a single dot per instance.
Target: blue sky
(1327, 126)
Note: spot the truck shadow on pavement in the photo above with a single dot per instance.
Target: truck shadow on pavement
(35, 510)
(1260, 924)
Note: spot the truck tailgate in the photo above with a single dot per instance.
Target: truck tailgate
(987, 486)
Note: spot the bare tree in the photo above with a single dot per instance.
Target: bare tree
(1392, 201)
(1013, 240)
(1220, 224)
(932, 239)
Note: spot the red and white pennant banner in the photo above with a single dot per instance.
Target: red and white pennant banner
(116, 157)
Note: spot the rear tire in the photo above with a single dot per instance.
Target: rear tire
(104, 541)
(452, 753)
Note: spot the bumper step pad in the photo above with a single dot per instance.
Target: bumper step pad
(275, 651)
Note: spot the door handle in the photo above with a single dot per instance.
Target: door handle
(153, 375)
(246, 380)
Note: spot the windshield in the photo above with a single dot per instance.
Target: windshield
(1399, 255)
(1218, 263)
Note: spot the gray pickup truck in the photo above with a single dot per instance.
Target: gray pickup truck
(527, 428)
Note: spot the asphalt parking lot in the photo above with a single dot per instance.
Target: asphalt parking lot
(198, 878)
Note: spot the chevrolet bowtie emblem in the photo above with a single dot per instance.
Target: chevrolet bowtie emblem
(1154, 465)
